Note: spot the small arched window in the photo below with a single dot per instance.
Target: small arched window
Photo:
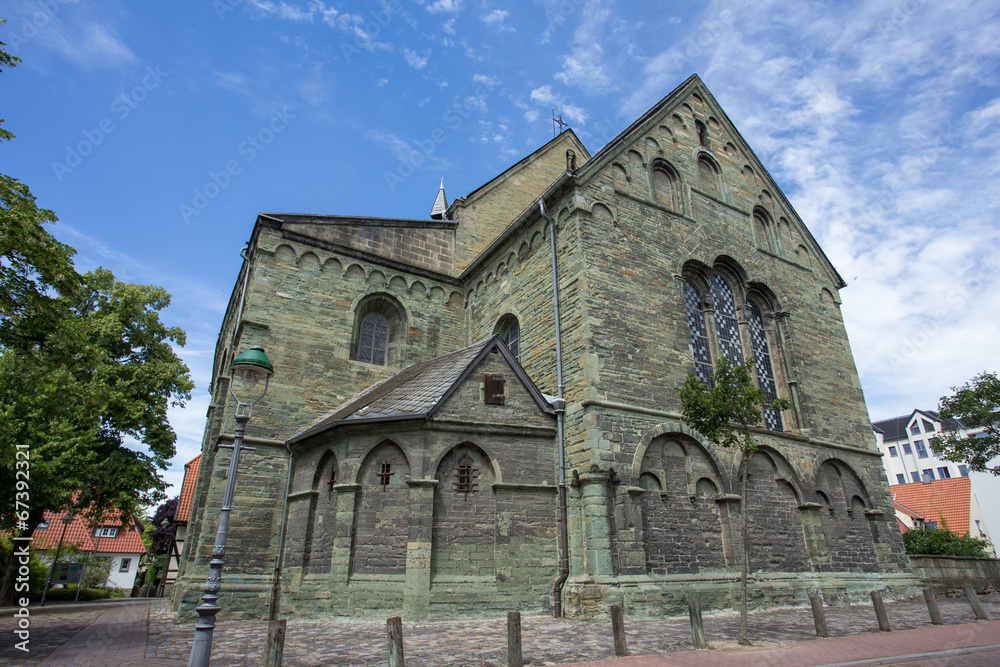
(762, 364)
(765, 230)
(666, 186)
(373, 340)
(702, 133)
(709, 176)
(699, 334)
(509, 330)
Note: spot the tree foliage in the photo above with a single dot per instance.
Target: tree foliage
(943, 542)
(977, 405)
(165, 521)
(725, 414)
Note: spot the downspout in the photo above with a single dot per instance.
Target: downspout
(560, 409)
(243, 294)
(272, 614)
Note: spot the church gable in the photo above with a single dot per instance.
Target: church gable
(685, 157)
(486, 212)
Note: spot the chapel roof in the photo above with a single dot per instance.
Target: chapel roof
(419, 390)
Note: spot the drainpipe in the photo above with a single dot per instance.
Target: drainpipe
(243, 294)
(272, 614)
(560, 408)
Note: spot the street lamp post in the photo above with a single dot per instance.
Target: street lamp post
(66, 520)
(248, 369)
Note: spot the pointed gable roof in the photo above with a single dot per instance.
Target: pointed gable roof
(646, 121)
(187, 489)
(81, 533)
(418, 391)
(440, 204)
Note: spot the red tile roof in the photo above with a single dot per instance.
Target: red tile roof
(943, 500)
(81, 533)
(187, 489)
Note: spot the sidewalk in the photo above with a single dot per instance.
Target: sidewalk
(144, 632)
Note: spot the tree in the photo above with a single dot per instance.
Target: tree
(977, 405)
(943, 542)
(725, 414)
(87, 373)
(166, 527)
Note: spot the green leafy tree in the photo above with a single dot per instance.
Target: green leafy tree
(87, 373)
(977, 405)
(726, 414)
(943, 542)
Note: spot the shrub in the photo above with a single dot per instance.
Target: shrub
(943, 542)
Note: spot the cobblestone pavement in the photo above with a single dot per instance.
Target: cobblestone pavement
(47, 633)
(546, 641)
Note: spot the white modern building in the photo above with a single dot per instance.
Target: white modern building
(907, 445)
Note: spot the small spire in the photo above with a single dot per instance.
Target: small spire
(440, 204)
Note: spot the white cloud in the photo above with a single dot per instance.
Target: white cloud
(414, 59)
(546, 97)
(449, 26)
(495, 20)
(445, 6)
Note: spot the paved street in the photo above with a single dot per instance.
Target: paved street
(143, 632)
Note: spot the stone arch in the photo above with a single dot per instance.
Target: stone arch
(764, 229)
(333, 264)
(355, 271)
(321, 524)
(652, 145)
(681, 520)
(463, 537)
(308, 261)
(666, 184)
(418, 289)
(396, 318)
(845, 523)
(398, 283)
(777, 534)
(454, 299)
(602, 213)
(285, 253)
(376, 278)
(709, 175)
(683, 433)
(620, 175)
(382, 511)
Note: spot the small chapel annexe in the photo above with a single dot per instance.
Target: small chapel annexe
(415, 411)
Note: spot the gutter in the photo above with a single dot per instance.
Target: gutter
(560, 409)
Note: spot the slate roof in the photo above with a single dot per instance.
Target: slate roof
(418, 390)
(187, 489)
(895, 428)
(947, 499)
(80, 532)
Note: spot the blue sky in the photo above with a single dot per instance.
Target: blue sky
(157, 132)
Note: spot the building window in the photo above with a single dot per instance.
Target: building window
(379, 331)
(725, 319)
(373, 340)
(43, 525)
(126, 564)
(106, 531)
(709, 176)
(928, 427)
(915, 476)
(928, 475)
(762, 365)
(921, 449)
(907, 449)
(509, 330)
(385, 474)
(963, 470)
(493, 389)
(900, 478)
(765, 230)
(943, 473)
(465, 477)
(699, 334)
(892, 452)
(930, 525)
(915, 429)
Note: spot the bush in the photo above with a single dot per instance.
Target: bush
(943, 542)
(68, 594)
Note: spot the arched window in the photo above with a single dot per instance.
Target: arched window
(666, 186)
(699, 334)
(373, 340)
(702, 133)
(379, 331)
(509, 330)
(763, 365)
(709, 176)
(726, 325)
(764, 229)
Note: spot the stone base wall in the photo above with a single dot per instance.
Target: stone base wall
(950, 573)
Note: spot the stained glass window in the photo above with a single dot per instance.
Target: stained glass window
(762, 364)
(699, 334)
(373, 339)
(725, 319)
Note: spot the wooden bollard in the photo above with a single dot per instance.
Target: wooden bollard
(932, 607)
(395, 629)
(697, 628)
(514, 639)
(275, 643)
(618, 629)
(977, 606)
(819, 616)
(883, 620)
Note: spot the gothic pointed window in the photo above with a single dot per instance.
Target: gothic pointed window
(373, 340)
(726, 324)
(699, 334)
(763, 365)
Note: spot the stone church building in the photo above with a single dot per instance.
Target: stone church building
(415, 418)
